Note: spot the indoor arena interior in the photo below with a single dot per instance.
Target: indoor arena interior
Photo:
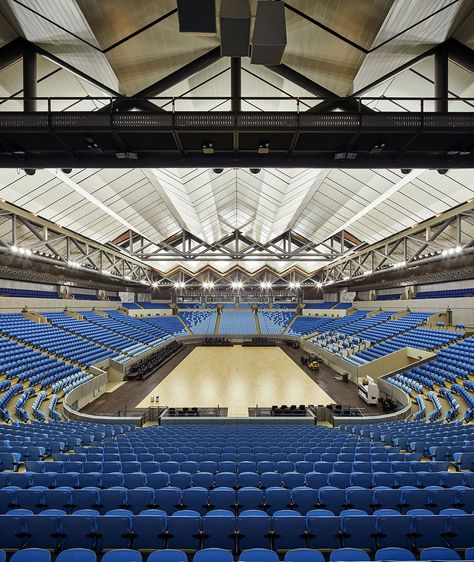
(236, 280)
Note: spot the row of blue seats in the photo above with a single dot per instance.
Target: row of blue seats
(92, 331)
(320, 305)
(446, 293)
(28, 293)
(168, 324)
(281, 467)
(210, 480)
(250, 555)
(285, 530)
(299, 498)
(304, 325)
(366, 323)
(131, 454)
(116, 325)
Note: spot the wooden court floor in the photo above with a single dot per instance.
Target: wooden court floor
(237, 378)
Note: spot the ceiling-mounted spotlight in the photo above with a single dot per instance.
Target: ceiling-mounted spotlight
(30, 171)
(455, 152)
(93, 146)
(66, 170)
(255, 170)
(443, 171)
(377, 148)
(406, 171)
(345, 156)
(218, 170)
(126, 156)
(208, 147)
(263, 147)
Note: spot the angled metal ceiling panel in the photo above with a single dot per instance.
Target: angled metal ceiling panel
(76, 46)
(155, 53)
(400, 40)
(320, 56)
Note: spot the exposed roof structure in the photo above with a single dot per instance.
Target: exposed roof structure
(121, 48)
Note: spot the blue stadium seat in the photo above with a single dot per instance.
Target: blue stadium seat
(258, 555)
(31, 555)
(213, 555)
(77, 555)
(254, 528)
(122, 555)
(219, 529)
(348, 555)
(184, 530)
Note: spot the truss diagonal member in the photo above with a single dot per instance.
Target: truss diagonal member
(332, 100)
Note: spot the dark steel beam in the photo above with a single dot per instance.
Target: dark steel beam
(461, 54)
(167, 82)
(246, 160)
(441, 80)
(317, 90)
(30, 80)
(11, 53)
(235, 84)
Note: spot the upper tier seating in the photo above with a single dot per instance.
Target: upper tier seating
(321, 305)
(365, 323)
(168, 324)
(343, 305)
(54, 340)
(131, 306)
(304, 325)
(290, 305)
(274, 322)
(454, 363)
(94, 332)
(237, 323)
(28, 293)
(389, 297)
(418, 338)
(30, 368)
(114, 298)
(446, 294)
(85, 297)
(184, 305)
(395, 327)
(155, 305)
(114, 323)
(339, 323)
(200, 322)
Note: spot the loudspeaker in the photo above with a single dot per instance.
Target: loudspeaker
(235, 28)
(197, 16)
(269, 33)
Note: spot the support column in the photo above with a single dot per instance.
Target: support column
(29, 80)
(441, 80)
(236, 84)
